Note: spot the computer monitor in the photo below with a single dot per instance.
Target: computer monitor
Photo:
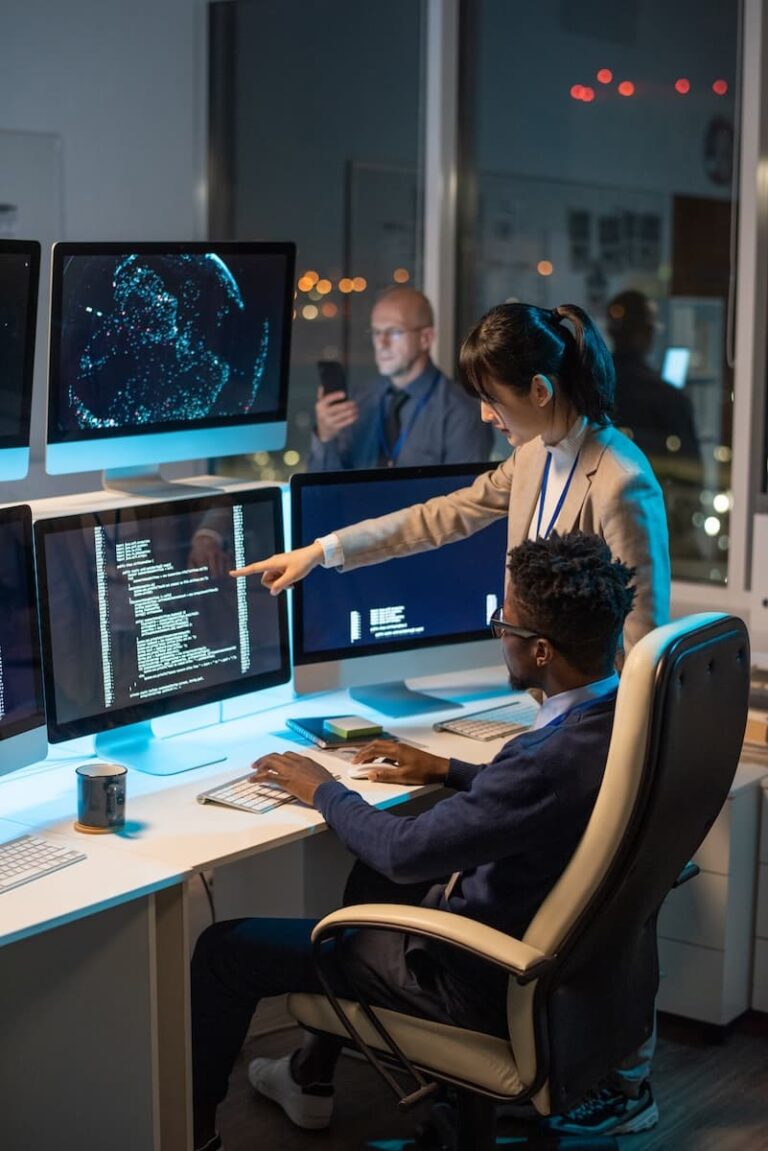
(415, 616)
(140, 619)
(674, 366)
(23, 737)
(19, 281)
(166, 351)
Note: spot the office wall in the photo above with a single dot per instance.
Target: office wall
(526, 65)
(122, 83)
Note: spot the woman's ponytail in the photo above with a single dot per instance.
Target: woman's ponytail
(590, 378)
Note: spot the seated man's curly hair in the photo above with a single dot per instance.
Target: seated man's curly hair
(570, 589)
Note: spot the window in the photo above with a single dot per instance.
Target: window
(316, 128)
(597, 161)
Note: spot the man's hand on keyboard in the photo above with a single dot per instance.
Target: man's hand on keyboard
(406, 764)
(295, 773)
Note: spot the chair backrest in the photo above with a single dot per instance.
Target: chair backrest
(677, 736)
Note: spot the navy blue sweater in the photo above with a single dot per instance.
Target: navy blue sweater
(510, 829)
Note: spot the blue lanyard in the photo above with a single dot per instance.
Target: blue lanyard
(543, 496)
(392, 455)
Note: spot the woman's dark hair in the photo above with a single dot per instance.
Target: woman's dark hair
(570, 589)
(514, 342)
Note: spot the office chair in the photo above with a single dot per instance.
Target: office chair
(583, 978)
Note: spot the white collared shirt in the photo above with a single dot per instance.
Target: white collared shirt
(565, 701)
(563, 455)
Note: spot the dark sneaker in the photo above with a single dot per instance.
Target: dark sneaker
(607, 1112)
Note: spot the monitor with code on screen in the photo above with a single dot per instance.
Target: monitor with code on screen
(141, 619)
(23, 738)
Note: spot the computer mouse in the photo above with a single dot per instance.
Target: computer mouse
(361, 770)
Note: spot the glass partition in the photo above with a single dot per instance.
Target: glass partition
(597, 168)
(316, 115)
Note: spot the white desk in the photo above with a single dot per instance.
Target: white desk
(80, 1007)
(94, 974)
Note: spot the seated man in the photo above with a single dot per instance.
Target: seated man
(657, 415)
(511, 827)
(411, 413)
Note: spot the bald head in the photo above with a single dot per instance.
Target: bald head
(402, 327)
(412, 302)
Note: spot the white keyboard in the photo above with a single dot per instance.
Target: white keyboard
(247, 794)
(29, 857)
(496, 722)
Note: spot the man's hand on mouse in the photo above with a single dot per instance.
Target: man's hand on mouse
(408, 764)
(295, 773)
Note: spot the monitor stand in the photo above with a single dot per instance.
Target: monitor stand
(136, 746)
(398, 700)
(147, 482)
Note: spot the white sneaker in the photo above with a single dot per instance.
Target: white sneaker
(307, 1107)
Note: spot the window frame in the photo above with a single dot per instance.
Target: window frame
(443, 110)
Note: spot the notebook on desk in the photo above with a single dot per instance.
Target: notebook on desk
(313, 729)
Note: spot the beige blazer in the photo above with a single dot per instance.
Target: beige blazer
(613, 493)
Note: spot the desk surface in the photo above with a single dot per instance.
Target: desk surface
(92, 885)
(168, 833)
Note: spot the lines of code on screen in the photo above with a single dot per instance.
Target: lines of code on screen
(142, 609)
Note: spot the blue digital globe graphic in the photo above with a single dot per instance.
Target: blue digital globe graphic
(159, 339)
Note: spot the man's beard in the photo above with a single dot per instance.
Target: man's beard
(519, 684)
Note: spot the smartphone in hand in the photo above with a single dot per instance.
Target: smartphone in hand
(333, 377)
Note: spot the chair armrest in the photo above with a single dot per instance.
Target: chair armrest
(519, 958)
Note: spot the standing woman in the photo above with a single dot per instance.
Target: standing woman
(545, 380)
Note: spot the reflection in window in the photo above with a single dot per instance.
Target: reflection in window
(597, 164)
(325, 131)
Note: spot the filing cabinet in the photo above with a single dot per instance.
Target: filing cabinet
(760, 968)
(706, 928)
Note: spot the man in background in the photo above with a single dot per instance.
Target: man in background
(411, 413)
(657, 416)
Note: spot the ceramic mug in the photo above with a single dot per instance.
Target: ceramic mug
(100, 796)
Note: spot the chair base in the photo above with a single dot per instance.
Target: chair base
(465, 1121)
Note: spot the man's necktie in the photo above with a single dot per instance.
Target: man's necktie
(395, 401)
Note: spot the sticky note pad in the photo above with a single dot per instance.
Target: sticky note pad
(352, 727)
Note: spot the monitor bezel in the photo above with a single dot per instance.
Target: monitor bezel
(12, 442)
(152, 433)
(167, 705)
(12, 516)
(302, 658)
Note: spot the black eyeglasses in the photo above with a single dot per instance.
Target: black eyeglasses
(499, 627)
